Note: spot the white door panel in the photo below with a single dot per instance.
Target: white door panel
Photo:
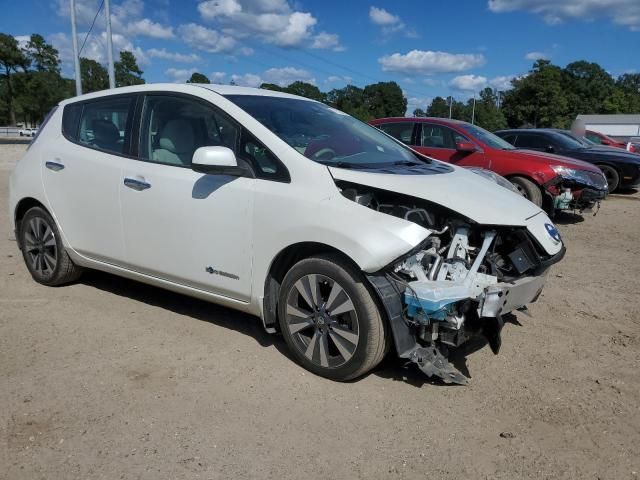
(82, 186)
(189, 228)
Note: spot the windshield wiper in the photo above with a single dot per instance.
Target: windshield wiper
(343, 164)
(407, 163)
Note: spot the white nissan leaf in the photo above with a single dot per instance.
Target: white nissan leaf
(344, 240)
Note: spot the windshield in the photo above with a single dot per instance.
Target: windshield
(582, 140)
(568, 141)
(324, 134)
(488, 138)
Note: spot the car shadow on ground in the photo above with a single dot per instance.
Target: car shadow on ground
(568, 218)
(626, 194)
(184, 305)
(391, 367)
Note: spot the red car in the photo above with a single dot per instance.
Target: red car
(602, 139)
(550, 181)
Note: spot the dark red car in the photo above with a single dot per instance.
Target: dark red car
(602, 139)
(550, 181)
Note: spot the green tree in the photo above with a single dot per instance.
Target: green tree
(540, 99)
(127, 71)
(418, 112)
(384, 99)
(587, 86)
(439, 107)
(629, 82)
(305, 89)
(93, 75)
(11, 58)
(487, 113)
(43, 56)
(197, 77)
(272, 86)
(349, 99)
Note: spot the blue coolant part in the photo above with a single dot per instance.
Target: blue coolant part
(434, 299)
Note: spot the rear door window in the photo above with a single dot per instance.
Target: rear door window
(533, 142)
(103, 124)
(439, 136)
(402, 131)
(71, 120)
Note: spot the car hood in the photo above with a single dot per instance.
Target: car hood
(552, 159)
(598, 153)
(464, 192)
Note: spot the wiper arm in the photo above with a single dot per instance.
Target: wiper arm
(342, 164)
(407, 163)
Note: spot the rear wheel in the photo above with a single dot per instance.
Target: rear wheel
(43, 251)
(329, 318)
(528, 190)
(612, 176)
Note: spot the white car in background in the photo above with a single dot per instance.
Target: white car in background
(28, 132)
(346, 241)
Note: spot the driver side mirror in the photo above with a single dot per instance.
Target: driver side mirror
(465, 147)
(216, 161)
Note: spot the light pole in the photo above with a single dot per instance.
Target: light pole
(74, 42)
(112, 76)
(450, 104)
(473, 110)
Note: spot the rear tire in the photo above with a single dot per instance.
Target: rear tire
(42, 250)
(528, 190)
(612, 176)
(330, 319)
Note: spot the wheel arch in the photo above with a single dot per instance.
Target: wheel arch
(22, 207)
(547, 198)
(279, 267)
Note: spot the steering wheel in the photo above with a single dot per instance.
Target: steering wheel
(324, 154)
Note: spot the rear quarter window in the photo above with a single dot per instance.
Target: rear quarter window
(70, 120)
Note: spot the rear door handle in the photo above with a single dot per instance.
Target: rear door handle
(54, 165)
(136, 184)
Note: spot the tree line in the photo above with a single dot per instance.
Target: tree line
(547, 96)
(31, 83)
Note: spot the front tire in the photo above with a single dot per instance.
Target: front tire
(330, 320)
(612, 176)
(528, 190)
(42, 250)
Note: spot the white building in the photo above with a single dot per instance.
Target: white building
(619, 126)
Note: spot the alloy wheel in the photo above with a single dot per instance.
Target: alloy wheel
(322, 321)
(41, 247)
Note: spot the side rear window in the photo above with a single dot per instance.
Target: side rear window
(535, 142)
(402, 131)
(438, 136)
(103, 124)
(71, 120)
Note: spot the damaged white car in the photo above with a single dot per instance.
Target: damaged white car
(344, 240)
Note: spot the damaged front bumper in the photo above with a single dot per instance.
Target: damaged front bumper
(428, 317)
(580, 191)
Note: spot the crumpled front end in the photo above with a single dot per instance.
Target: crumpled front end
(576, 189)
(460, 281)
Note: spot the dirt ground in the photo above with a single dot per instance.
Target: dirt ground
(108, 378)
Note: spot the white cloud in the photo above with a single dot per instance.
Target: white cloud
(502, 82)
(274, 21)
(247, 80)
(217, 77)
(148, 28)
(420, 62)
(179, 75)
(381, 17)
(470, 83)
(325, 40)
(536, 56)
(416, 102)
(621, 12)
(202, 38)
(173, 56)
(287, 75)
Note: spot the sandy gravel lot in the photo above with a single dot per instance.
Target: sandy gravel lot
(109, 379)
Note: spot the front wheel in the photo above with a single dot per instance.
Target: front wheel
(612, 176)
(330, 320)
(528, 190)
(43, 251)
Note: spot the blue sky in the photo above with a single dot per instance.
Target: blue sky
(430, 48)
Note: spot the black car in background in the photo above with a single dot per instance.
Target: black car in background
(621, 168)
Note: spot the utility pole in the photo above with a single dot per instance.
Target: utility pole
(112, 75)
(74, 42)
(473, 111)
(450, 104)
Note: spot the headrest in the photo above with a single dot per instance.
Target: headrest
(177, 136)
(104, 131)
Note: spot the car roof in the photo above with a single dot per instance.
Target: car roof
(185, 88)
(444, 121)
(531, 130)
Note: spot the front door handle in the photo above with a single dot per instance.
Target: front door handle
(54, 165)
(136, 184)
